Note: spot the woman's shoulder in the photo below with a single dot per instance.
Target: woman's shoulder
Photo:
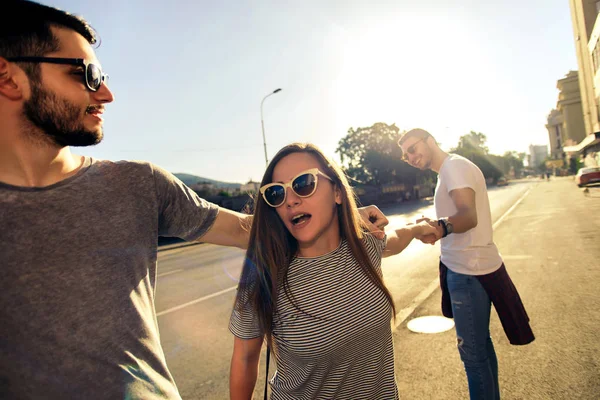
(373, 243)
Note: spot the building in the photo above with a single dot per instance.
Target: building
(583, 15)
(537, 155)
(250, 187)
(586, 31)
(570, 105)
(555, 134)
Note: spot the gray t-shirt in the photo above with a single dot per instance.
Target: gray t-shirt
(78, 278)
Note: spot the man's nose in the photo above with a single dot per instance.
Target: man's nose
(103, 95)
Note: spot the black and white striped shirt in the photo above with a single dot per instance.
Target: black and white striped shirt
(339, 344)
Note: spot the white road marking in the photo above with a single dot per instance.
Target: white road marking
(169, 273)
(425, 293)
(189, 303)
(510, 209)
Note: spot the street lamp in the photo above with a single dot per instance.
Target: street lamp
(263, 123)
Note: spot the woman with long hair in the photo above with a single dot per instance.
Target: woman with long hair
(312, 285)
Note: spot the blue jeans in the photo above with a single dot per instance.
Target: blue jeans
(471, 308)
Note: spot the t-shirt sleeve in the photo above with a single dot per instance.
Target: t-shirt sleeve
(244, 320)
(458, 174)
(374, 247)
(182, 213)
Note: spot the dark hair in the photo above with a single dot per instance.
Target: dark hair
(25, 31)
(272, 248)
(417, 132)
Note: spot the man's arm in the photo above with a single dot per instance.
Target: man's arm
(244, 368)
(399, 239)
(466, 216)
(229, 229)
(463, 220)
(233, 228)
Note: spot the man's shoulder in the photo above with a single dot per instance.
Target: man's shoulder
(456, 161)
(125, 171)
(122, 164)
(125, 166)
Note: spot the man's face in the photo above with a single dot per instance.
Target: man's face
(60, 104)
(416, 152)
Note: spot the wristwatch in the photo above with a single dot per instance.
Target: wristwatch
(446, 225)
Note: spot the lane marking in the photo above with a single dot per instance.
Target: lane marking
(428, 291)
(421, 297)
(499, 221)
(169, 273)
(189, 303)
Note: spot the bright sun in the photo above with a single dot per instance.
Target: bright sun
(407, 72)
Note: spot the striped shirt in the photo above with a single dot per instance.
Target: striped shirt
(338, 344)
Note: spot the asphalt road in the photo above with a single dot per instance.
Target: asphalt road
(550, 243)
(196, 288)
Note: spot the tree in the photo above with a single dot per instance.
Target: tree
(472, 146)
(513, 161)
(371, 155)
(474, 141)
(574, 165)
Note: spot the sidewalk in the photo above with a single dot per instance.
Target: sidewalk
(551, 247)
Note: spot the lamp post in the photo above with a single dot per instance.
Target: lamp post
(263, 123)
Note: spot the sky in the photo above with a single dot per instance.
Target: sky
(189, 76)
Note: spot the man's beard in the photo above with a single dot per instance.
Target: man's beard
(58, 119)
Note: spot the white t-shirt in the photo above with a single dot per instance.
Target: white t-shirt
(472, 252)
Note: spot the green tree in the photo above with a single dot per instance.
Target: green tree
(513, 161)
(371, 155)
(473, 141)
(473, 147)
(574, 165)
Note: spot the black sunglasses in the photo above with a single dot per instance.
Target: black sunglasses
(93, 76)
(411, 149)
(303, 184)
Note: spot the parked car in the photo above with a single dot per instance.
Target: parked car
(502, 181)
(587, 175)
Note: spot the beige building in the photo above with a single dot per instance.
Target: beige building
(570, 106)
(586, 31)
(250, 187)
(555, 134)
(583, 15)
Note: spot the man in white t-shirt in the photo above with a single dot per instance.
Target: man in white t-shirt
(467, 251)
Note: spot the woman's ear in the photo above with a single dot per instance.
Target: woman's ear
(338, 195)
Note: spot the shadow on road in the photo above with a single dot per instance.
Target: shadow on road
(406, 207)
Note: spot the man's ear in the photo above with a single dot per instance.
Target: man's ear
(11, 86)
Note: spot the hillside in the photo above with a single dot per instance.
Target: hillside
(189, 179)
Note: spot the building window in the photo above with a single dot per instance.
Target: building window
(596, 56)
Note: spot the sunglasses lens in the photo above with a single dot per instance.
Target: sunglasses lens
(304, 185)
(274, 195)
(94, 77)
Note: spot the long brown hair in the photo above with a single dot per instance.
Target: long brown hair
(272, 248)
